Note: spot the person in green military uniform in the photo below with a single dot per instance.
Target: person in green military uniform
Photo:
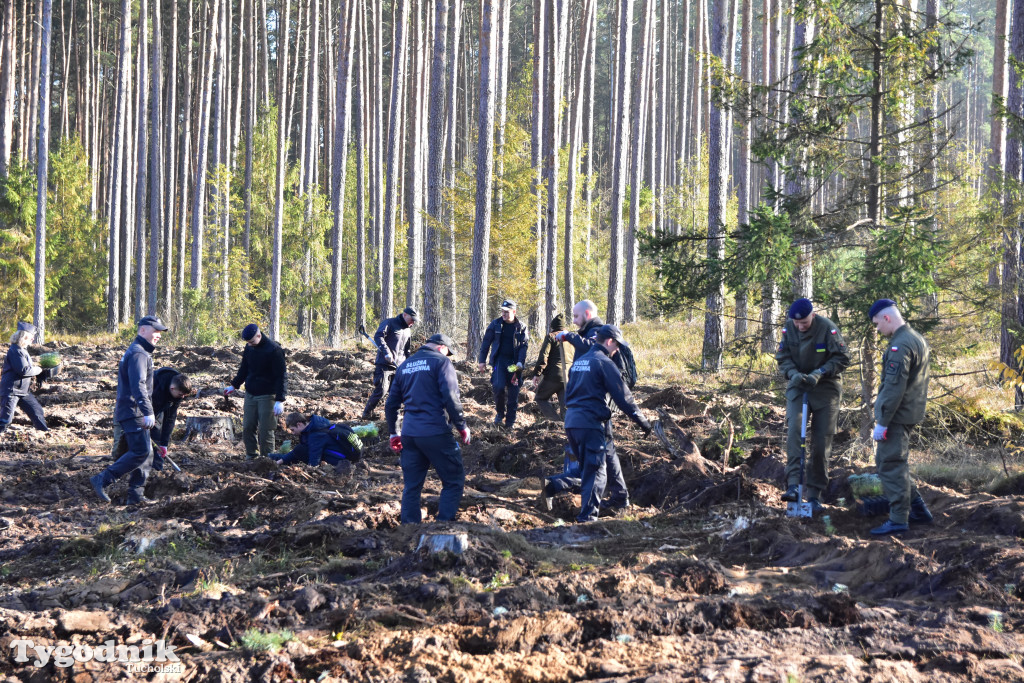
(900, 405)
(812, 356)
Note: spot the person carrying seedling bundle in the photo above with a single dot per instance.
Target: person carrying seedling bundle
(134, 410)
(426, 384)
(264, 373)
(506, 340)
(320, 441)
(170, 387)
(393, 339)
(16, 381)
(812, 356)
(547, 375)
(899, 406)
(595, 383)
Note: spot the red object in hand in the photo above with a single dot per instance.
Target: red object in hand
(464, 435)
(162, 451)
(396, 444)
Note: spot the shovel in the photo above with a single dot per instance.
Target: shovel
(800, 508)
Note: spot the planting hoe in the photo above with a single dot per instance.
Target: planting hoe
(800, 508)
(362, 330)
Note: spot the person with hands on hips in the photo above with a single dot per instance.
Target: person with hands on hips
(393, 339)
(812, 356)
(427, 386)
(504, 348)
(264, 373)
(595, 383)
(900, 404)
(134, 411)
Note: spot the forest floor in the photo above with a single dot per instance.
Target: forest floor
(255, 572)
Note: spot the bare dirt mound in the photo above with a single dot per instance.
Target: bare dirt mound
(255, 572)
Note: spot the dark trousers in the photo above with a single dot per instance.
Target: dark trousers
(549, 386)
(121, 444)
(138, 460)
(596, 450)
(382, 378)
(506, 394)
(28, 404)
(418, 454)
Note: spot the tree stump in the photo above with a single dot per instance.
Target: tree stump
(436, 543)
(204, 428)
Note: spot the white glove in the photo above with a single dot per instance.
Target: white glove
(148, 422)
(228, 390)
(519, 365)
(879, 432)
(278, 407)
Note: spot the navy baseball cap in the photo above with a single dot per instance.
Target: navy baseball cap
(26, 327)
(412, 313)
(800, 309)
(880, 306)
(610, 332)
(250, 331)
(154, 322)
(443, 339)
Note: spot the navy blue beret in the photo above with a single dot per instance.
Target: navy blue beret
(800, 309)
(880, 306)
(250, 331)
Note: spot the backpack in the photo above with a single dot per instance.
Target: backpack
(628, 366)
(344, 442)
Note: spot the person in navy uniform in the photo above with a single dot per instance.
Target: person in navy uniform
(134, 410)
(594, 384)
(426, 384)
(393, 339)
(16, 381)
(506, 340)
(170, 387)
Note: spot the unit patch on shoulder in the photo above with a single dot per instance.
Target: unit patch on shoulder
(782, 346)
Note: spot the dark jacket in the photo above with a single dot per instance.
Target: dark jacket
(428, 386)
(314, 444)
(135, 382)
(903, 395)
(821, 347)
(492, 341)
(549, 362)
(394, 336)
(594, 384)
(583, 339)
(18, 371)
(262, 370)
(165, 406)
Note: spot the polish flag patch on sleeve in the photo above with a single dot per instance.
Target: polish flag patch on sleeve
(895, 348)
(833, 331)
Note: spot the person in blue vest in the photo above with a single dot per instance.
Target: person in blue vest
(426, 384)
(393, 339)
(16, 381)
(319, 441)
(504, 349)
(134, 411)
(595, 383)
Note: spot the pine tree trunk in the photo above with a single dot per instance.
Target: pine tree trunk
(437, 143)
(451, 138)
(42, 171)
(484, 186)
(141, 150)
(183, 163)
(283, 30)
(250, 125)
(170, 191)
(1010, 323)
(553, 114)
(540, 58)
(413, 177)
(115, 215)
(746, 138)
(360, 111)
(6, 87)
(199, 193)
(156, 199)
(584, 49)
(620, 158)
(638, 138)
(714, 338)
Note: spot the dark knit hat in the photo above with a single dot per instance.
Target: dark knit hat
(250, 331)
(558, 323)
(880, 306)
(800, 309)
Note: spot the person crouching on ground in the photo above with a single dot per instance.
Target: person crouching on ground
(594, 384)
(426, 384)
(16, 381)
(319, 441)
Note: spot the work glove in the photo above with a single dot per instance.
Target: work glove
(389, 357)
(396, 443)
(811, 379)
(464, 435)
(228, 390)
(148, 422)
(278, 407)
(646, 427)
(880, 432)
(796, 380)
(561, 336)
(515, 380)
(161, 451)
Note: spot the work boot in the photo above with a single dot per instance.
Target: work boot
(545, 501)
(139, 500)
(815, 504)
(613, 506)
(890, 527)
(97, 486)
(498, 419)
(919, 513)
(791, 494)
(367, 416)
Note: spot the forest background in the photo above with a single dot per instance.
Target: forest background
(316, 165)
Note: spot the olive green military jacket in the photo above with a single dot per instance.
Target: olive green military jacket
(903, 392)
(821, 347)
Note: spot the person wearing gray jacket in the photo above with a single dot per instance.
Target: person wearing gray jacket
(133, 410)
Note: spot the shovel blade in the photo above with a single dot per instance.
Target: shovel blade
(799, 510)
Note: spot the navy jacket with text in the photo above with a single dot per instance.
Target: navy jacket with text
(428, 386)
(594, 384)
